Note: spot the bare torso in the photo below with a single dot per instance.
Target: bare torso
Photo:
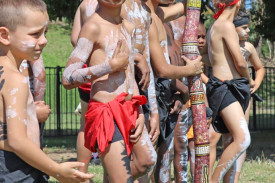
(220, 57)
(29, 118)
(106, 88)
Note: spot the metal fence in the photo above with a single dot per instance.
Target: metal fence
(63, 120)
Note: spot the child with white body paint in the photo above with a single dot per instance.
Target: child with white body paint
(22, 36)
(228, 89)
(136, 12)
(36, 74)
(114, 38)
(241, 23)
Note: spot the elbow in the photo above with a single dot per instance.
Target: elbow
(242, 66)
(15, 142)
(162, 73)
(66, 84)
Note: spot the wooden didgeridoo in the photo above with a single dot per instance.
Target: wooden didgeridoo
(201, 135)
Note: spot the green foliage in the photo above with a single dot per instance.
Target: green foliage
(62, 8)
(263, 17)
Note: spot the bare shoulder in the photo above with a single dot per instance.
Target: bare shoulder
(13, 81)
(91, 29)
(249, 46)
(224, 26)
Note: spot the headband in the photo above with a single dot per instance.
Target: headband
(241, 21)
(222, 6)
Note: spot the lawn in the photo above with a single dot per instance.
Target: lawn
(258, 168)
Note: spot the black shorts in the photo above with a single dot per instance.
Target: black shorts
(228, 99)
(13, 169)
(116, 137)
(83, 95)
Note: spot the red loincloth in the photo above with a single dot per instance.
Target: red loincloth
(100, 117)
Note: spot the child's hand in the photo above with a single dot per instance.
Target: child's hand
(138, 129)
(142, 65)
(251, 83)
(68, 173)
(42, 111)
(120, 57)
(154, 127)
(255, 88)
(196, 66)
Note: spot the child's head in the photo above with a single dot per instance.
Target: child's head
(241, 23)
(220, 5)
(22, 28)
(226, 2)
(201, 35)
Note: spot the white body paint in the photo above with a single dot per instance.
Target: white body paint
(91, 7)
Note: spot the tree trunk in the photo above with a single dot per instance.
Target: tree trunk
(269, 49)
(259, 46)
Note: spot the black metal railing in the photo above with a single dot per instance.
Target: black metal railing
(63, 120)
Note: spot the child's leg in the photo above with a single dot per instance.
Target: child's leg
(116, 163)
(83, 154)
(241, 159)
(165, 156)
(230, 175)
(181, 151)
(234, 120)
(144, 156)
(214, 138)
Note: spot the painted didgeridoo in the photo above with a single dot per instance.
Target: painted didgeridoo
(201, 135)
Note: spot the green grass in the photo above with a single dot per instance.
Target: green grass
(59, 47)
(259, 166)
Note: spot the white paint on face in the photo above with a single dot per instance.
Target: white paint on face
(27, 44)
(13, 91)
(11, 113)
(243, 33)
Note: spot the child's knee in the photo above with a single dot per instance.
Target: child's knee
(246, 137)
(147, 163)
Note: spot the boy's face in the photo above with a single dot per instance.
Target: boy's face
(201, 37)
(28, 40)
(243, 32)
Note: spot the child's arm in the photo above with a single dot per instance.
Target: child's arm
(74, 75)
(142, 65)
(15, 96)
(76, 27)
(172, 12)
(258, 66)
(39, 79)
(164, 70)
(229, 36)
